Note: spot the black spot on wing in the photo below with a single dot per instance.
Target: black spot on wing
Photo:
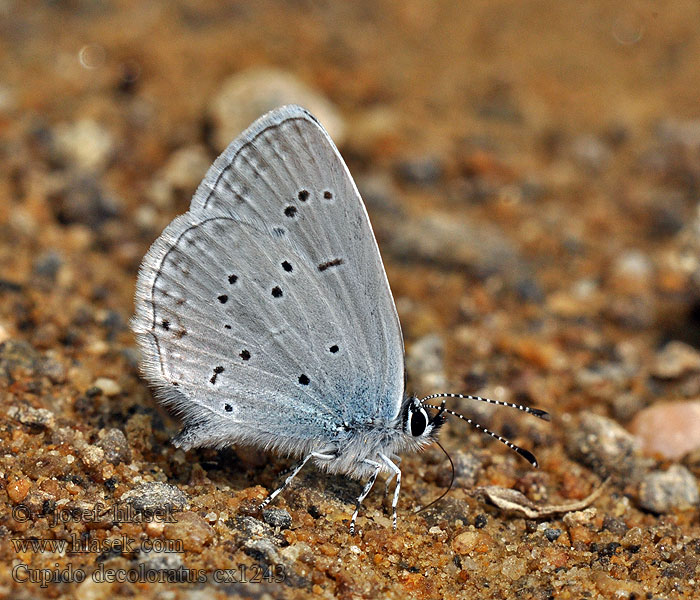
(331, 263)
(217, 370)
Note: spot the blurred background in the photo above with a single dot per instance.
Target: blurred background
(532, 171)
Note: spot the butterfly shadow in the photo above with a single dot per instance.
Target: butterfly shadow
(241, 468)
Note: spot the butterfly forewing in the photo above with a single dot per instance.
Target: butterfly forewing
(269, 296)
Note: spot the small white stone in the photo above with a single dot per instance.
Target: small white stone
(109, 387)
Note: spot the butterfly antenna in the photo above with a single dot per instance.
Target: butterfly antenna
(541, 414)
(449, 487)
(526, 454)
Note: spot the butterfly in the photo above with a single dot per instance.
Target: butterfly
(264, 315)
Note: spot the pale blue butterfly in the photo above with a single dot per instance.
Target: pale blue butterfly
(264, 314)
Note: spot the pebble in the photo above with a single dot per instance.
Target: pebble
(590, 152)
(425, 362)
(674, 360)
(182, 173)
(18, 489)
(579, 518)
(380, 194)
(664, 491)
(615, 525)
(669, 429)
(92, 456)
(47, 265)
(160, 561)
(465, 542)
(448, 510)
(626, 405)
(39, 502)
(84, 201)
(421, 170)
(245, 96)
(84, 144)
(19, 358)
(155, 528)
(155, 496)
(18, 355)
(277, 517)
(115, 445)
(634, 537)
(467, 464)
(552, 533)
(632, 271)
(443, 240)
(107, 386)
(247, 527)
(263, 550)
(194, 532)
(684, 133)
(90, 589)
(373, 130)
(40, 418)
(514, 567)
(601, 444)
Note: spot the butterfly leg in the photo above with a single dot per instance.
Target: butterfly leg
(365, 491)
(293, 474)
(396, 458)
(397, 489)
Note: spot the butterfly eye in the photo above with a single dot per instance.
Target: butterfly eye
(417, 422)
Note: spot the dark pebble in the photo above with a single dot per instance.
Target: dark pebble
(115, 446)
(47, 265)
(481, 521)
(155, 496)
(18, 355)
(37, 418)
(552, 534)
(277, 517)
(467, 466)
(529, 290)
(614, 525)
(84, 201)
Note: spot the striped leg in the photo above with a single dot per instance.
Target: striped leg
(365, 491)
(397, 489)
(293, 474)
(396, 458)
